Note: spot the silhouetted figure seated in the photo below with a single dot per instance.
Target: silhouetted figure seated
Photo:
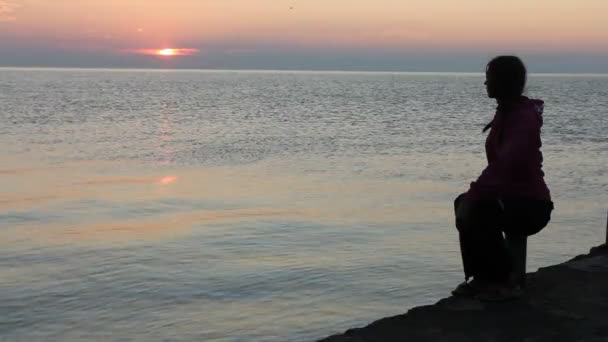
(510, 196)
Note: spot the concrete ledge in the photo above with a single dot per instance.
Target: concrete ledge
(565, 302)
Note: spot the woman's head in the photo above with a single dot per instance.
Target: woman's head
(505, 77)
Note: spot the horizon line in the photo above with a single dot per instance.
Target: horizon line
(262, 70)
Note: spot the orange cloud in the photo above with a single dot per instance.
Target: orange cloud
(544, 25)
(7, 10)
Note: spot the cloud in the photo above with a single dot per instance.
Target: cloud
(7, 10)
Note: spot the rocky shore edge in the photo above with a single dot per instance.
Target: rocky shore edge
(564, 302)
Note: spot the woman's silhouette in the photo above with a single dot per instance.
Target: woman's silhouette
(510, 196)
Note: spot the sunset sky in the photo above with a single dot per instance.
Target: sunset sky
(429, 35)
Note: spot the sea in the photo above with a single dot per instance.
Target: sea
(199, 205)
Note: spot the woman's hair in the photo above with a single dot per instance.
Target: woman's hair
(508, 75)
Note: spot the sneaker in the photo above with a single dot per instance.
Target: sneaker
(499, 293)
(469, 289)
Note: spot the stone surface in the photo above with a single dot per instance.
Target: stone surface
(566, 302)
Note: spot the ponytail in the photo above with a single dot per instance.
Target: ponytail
(488, 126)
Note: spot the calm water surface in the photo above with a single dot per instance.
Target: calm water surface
(258, 206)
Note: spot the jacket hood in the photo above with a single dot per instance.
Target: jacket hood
(532, 107)
(536, 105)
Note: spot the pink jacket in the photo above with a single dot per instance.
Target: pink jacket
(514, 157)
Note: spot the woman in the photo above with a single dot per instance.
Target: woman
(510, 195)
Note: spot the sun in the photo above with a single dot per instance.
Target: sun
(166, 52)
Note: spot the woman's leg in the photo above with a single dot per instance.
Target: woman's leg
(526, 217)
(466, 242)
(482, 245)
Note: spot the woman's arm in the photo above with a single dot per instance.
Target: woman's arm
(520, 137)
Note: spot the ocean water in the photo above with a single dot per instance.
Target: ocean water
(258, 206)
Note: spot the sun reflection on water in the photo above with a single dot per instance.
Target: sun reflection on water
(168, 180)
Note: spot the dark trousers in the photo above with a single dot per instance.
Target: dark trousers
(482, 243)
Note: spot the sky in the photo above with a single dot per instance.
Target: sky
(384, 35)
